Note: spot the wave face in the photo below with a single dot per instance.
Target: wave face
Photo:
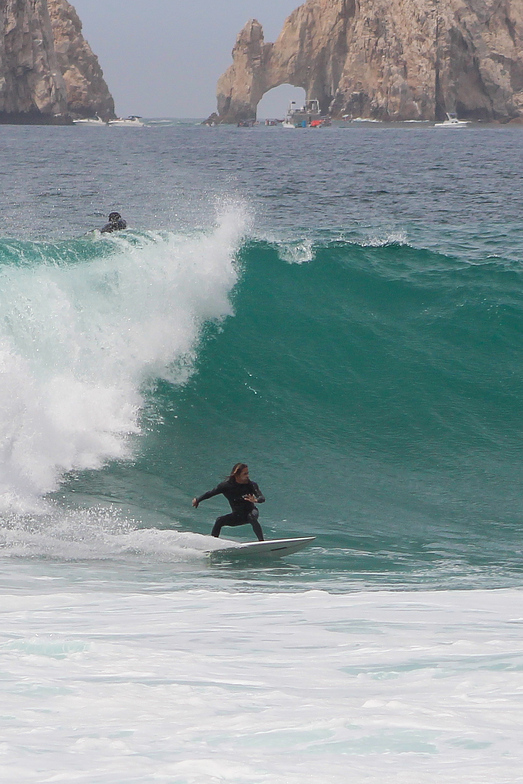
(375, 389)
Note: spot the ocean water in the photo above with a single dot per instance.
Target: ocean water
(340, 308)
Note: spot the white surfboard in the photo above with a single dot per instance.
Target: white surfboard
(272, 548)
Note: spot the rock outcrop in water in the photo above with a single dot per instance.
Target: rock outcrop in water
(87, 92)
(386, 60)
(47, 70)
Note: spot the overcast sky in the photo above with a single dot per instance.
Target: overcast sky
(162, 58)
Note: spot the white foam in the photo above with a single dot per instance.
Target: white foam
(204, 687)
(97, 534)
(398, 237)
(100, 533)
(296, 252)
(78, 341)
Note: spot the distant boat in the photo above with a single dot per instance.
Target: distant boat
(452, 122)
(92, 122)
(133, 121)
(307, 116)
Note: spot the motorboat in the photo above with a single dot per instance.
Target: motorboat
(452, 122)
(305, 116)
(91, 122)
(133, 121)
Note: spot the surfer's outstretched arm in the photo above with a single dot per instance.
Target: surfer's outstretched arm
(209, 494)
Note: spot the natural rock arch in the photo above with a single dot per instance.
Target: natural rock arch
(386, 59)
(275, 101)
(257, 68)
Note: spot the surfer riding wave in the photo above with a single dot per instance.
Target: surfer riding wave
(242, 494)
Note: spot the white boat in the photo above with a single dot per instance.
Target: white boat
(128, 122)
(91, 122)
(452, 122)
(304, 116)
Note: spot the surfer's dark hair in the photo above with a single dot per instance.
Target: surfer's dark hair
(237, 469)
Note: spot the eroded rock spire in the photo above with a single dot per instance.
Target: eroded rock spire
(48, 73)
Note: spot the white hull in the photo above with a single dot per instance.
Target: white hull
(129, 122)
(452, 122)
(91, 122)
(448, 124)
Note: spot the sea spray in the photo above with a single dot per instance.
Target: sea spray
(79, 340)
(99, 533)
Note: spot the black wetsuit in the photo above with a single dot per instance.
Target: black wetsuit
(116, 225)
(243, 511)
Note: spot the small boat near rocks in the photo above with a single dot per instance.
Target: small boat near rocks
(133, 121)
(452, 122)
(91, 122)
(308, 116)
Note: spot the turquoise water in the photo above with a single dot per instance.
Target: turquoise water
(367, 370)
(341, 309)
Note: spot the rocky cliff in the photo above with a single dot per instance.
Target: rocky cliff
(87, 92)
(386, 59)
(48, 73)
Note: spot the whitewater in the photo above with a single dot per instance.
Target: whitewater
(341, 309)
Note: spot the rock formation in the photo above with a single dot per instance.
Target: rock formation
(41, 82)
(87, 92)
(386, 60)
(31, 85)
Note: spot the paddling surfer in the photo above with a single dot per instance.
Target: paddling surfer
(116, 223)
(242, 494)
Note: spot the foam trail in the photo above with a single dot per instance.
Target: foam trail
(79, 339)
(98, 534)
